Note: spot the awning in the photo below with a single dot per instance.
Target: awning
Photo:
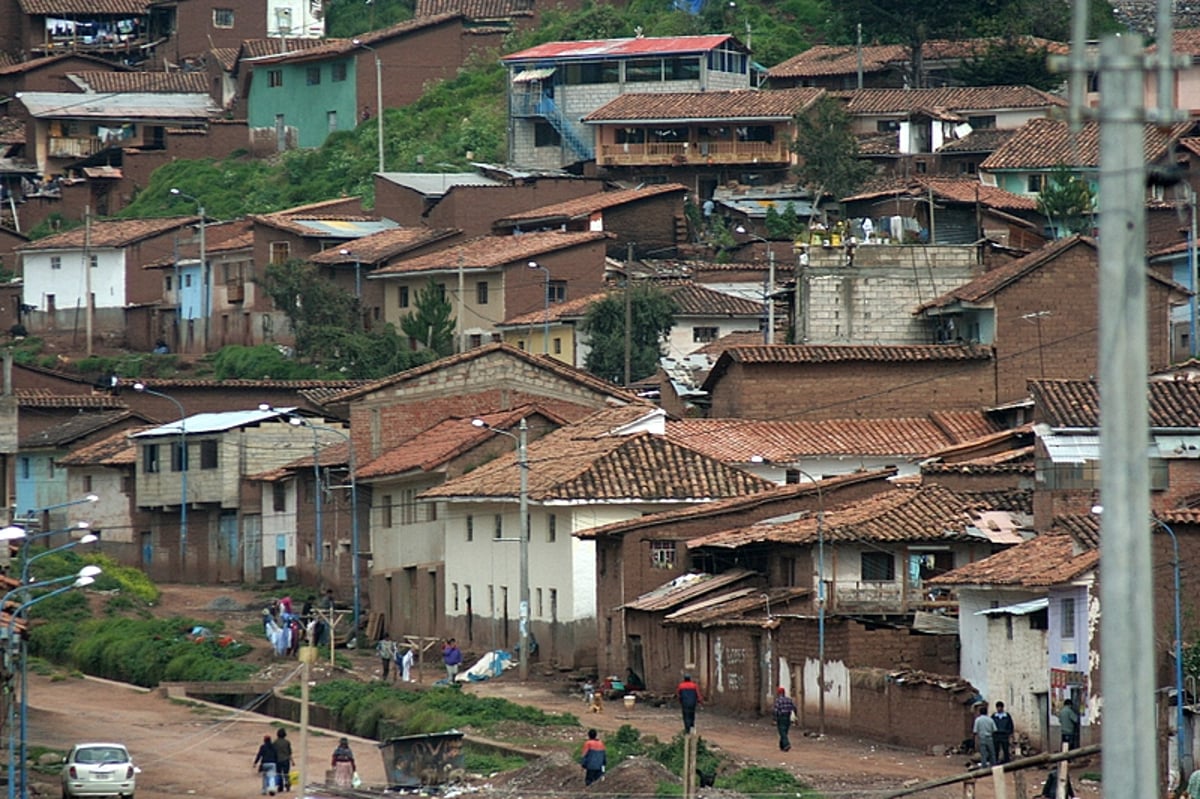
(1019, 609)
(530, 75)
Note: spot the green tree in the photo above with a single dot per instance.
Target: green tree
(653, 314)
(1068, 202)
(1009, 62)
(431, 321)
(828, 152)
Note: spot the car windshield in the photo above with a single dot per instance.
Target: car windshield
(101, 754)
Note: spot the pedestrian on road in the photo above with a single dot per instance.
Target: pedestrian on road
(689, 698)
(385, 649)
(265, 762)
(784, 710)
(1004, 731)
(1068, 724)
(985, 742)
(594, 759)
(405, 663)
(1193, 785)
(283, 760)
(343, 765)
(451, 656)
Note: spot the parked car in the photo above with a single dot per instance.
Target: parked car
(99, 769)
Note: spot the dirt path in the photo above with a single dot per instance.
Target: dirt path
(206, 752)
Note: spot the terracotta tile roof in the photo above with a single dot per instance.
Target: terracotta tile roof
(475, 9)
(616, 48)
(1047, 143)
(693, 299)
(838, 353)
(687, 588)
(984, 140)
(110, 233)
(73, 429)
(745, 607)
(824, 59)
(143, 82)
(1046, 560)
(330, 48)
(12, 130)
(1016, 461)
(257, 48)
(561, 369)
(1076, 403)
(1185, 41)
(430, 449)
(559, 311)
(968, 191)
(583, 207)
(44, 398)
(226, 57)
(584, 462)
(738, 440)
(381, 246)
(10, 66)
(996, 279)
(490, 252)
(780, 493)
(115, 450)
(741, 104)
(878, 143)
(71, 8)
(738, 338)
(906, 513)
(220, 238)
(948, 98)
(167, 383)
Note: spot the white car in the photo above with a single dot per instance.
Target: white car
(99, 769)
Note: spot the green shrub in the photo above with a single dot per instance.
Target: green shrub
(485, 763)
(671, 756)
(767, 783)
(626, 742)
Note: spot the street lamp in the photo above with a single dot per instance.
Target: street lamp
(85, 576)
(300, 421)
(70, 503)
(378, 95)
(769, 333)
(183, 471)
(204, 275)
(26, 562)
(545, 307)
(357, 275)
(523, 465)
(820, 589)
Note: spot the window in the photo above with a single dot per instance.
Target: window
(1039, 620)
(208, 454)
(55, 262)
(552, 528)
(222, 17)
(662, 554)
(540, 609)
(470, 527)
(280, 251)
(481, 292)
(644, 70)
(557, 291)
(682, 68)
(187, 281)
(402, 296)
(982, 122)
(878, 567)
(331, 121)
(408, 506)
(312, 76)
(544, 135)
(1068, 618)
(454, 594)
(278, 497)
(596, 72)
(476, 340)
(557, 347)
(25, 468)
(922, 167)
(1035, 184)
(441, 292)
(791, 477)
(93, 261)
(967, 168)
(149, 460)
(179, 456)
(887, 126)
(337, 72)
(168, 283)
(521, 345)
(703, 335)
(386, 510)
(554, 605)
(274, 78)
(499, 531)
(87, 483)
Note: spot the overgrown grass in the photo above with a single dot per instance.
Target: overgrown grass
(766, 783)
(376, 710)
(491, 762)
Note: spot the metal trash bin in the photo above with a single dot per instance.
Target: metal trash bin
(431, 759)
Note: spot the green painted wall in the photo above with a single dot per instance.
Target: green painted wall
(315, 105)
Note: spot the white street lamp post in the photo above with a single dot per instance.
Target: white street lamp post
(204, 273)
(378, 95)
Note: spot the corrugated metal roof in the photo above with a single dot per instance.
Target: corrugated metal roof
(345, 228)
(684, 588)
(1070, 447)
(530, 75)
(438, 183)
(126, 105)
(1019, 609)
(214, 422)
(610, 48)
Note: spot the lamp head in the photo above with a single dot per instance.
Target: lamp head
(82, 581)
(89, 571)
(82, 525)
(139, 386)
(479, 423)
(757, 459)
(356, 42)
(12, 533)
(343, 251)
(533, 265)
(263, 406)
(92, 498)
(90, 538)
(295, 421)
(740, 229)
(176, 192)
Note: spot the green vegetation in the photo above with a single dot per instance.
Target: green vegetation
(491, 763)
(378, 710)
(765, 783)
(828, 151)
(652, 314)
(431, 320)
(346, 19)
(1067, 201)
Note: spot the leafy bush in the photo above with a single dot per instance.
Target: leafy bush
(766, 783)
(626, 742)
(491, 762)
(671, 756)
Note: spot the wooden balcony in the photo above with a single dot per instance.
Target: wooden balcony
(65, 147)
(235, 291)
(679, 153)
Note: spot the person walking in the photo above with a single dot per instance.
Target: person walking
(265, 762)
(343, 765)
(283, 760)
(594, 759)
(784, 709)
(985, 742)
(385, 649)
(689, 699)
(405, 663)
(1068, 724)
(451, 656)
(1003, 734)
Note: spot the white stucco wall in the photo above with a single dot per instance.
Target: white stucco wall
(109, 514)
(68, 283)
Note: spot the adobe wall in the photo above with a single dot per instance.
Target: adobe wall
(838, 390)
(904, 714)
(474, 209)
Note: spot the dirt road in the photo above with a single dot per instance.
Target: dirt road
(207, 752)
